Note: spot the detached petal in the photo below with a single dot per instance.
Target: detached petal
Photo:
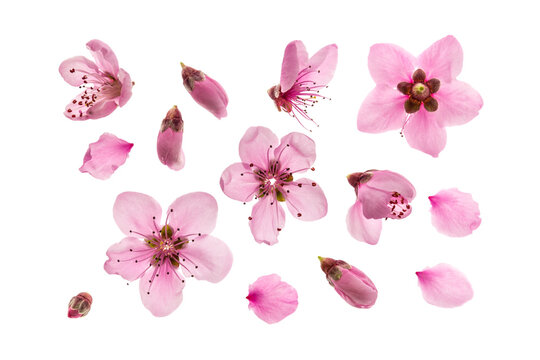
(136, 213)
(390, 64)
(382, 110)
(267, 220)
(127, 85)
(129, 258)
(104, 56)
(193, 213)
(305, 199)
(458, 102)
(425, 134)
(294, 59)
(296, 151)
(161, 289)
(323, 65)
(104, 156)
(210, 95)
(239, 182)
(454, 213)
(442, 60)
(271, 299)
(361, 228)
(444, 286)
(79, 70)
(256, 146)
(207, 258)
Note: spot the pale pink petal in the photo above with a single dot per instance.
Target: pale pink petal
(193, 213)
(206, 258)
(271, 299)
(136, 213)
(375, 202)
(104, 156)
(127, 85)
(305, 199)
(443, 60)
(422, 132)
(169, 149)
(294, 59)
(390, 181)
(356, 288)
(454, 213)
(323, 65)
(79, 70)
(444, 286)
(81, 109)
(458, 102)
(239, 182)
(296, 152)
(256, 146)
(101, 109)
(382, 110)
(389, 64)
(104, 56)
(267, 220)
(361, 228)
(210, 95)
(129, 258)
(161, 289)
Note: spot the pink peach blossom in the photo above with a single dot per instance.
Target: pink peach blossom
(379, 195)
(104, 156)
(302, 78)
(266, 173)
(454, 213)
(271, 299)
(206, 91)
(183, 242)
(419, 95)
(169, 141)
(444, 286)
(106, 86)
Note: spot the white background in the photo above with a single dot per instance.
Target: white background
(57, 222)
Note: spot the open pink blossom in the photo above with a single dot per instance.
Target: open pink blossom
(419, 95)
(271, 299)
(206, 91)
(104, 156)
(454, 213)
(302, 78)
(153, 252)
(444, 286)
(169, 141)
(106, 86)
(267, 173)
(380, 194)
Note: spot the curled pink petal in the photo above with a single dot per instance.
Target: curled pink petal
(267, 220)
(296, 152)
(325, 62)
(390, 64)
(459, 103)
(425, 134)
(381, 111)
(161, 289)
(256, 146)
(390, 181)
(361, 228)
(305, 199)
(206, 258)
(444, 286)
(104, 156)
(442, 60)
(169, 141)
(74, 69)
(239, 182)
(454, 213)
(104, 56)
(271, 299)
(294, 59)
(206, 91)
(193, 213)
(129, 258)
(136, 213)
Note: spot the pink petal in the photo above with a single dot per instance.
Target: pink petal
(356, 288)
(193, 213)
(129, 258)
(136, 213)
(389, 64)
(294, 59)
(127, 85)
(444, 286)
(361, 228)
(454, 213)
(424, 134)
(101, 109)
(442, 60)
(237, 186)
(459, 103)
(390, 181)
(104, 156)
(255, 146)
(104, 56)
(169, 149)
(382, 110)
(374, 202)
(271, 299)
(210, 95)
(77, 109)
(296, 151)
(323, 65)
(267, 220)
(305, 199)
(161, 289)
(74, 69)
(207, 258)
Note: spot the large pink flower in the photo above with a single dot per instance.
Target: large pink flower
(106, 85)
(267, 173)
(183, 242)
(379, 195)
(419, 95)
(302, 78)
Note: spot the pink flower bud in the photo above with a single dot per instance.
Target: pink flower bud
(169, 141)
(206, 91)
(349, 282)
(79, 305)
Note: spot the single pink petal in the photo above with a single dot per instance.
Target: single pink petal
(361, 228)
(454, 213)
(206, 258)
(127, 85)
(356, 288)
(305, 199)
(136, 213)
(390, 181)
(161, 289)
(425, 134)
(79, 70)
(323, 65)
(239, 182)
(390, 64)
(375, 202)
(296, 152)
(129, 258)
(256, 146)
(169, 149)
(210, 95)
(382, 110)
(443, 60)
(104, 56)
(193, 213)
(458, 102)
(444, 286)
(267, 220)
(81, 109)
(294, 59)
(271, 299)
(101, 109)
(104, 156)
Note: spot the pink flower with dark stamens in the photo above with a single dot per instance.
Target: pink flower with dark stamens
(106, 86)
(444, 286)
(271, 299)
(419, 95)
(267, 173)
(454, 213)
(169, 141)
(302, 78)
(104, 156)
(380, 194)
(206, 91)
(154, 252)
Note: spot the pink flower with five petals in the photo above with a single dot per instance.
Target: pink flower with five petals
(154, 253)
(419, 95)
(267, 173)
